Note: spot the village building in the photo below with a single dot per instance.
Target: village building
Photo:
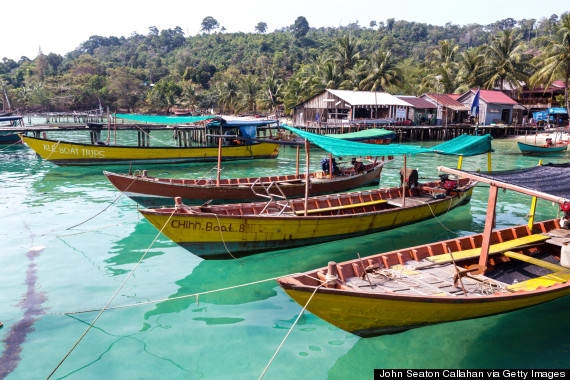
(495, 107)
(448, 109)
(351, 107)
(421, 112)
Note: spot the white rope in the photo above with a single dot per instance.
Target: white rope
(289, 332)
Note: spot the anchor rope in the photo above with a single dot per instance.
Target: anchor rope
(101, 311)
(288, 333)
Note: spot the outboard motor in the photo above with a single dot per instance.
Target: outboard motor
(565, 220)
(448, 184)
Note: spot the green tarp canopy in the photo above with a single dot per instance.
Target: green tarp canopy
(464, 145)
(372, 133)
(158, 119)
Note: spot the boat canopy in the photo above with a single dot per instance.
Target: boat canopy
(365, 134)
(463, 145)
(10, 118)
(159, 119)
(550, 181)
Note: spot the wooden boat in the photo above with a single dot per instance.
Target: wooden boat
(548, 148)
(153, 191)
(10, 128)
(231, 230)
(213, 141)
(493, 272)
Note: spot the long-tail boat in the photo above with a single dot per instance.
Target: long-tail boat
(472, 276)
(209, 139)
(231, 230)
(153, 191)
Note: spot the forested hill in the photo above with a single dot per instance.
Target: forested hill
(264, 71)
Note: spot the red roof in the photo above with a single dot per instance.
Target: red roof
(494, 97)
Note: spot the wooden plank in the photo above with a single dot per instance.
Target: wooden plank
(342, 207)
(493, 249)
(532, 260)
(542, 282)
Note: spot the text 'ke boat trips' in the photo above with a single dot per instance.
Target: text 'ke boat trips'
(205, 139)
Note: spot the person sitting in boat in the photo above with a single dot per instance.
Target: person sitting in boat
(325, 166)
(549, 142)
(357, 164)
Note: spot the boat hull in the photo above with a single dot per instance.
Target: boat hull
(150, 191)
(67, 153)
(368, 311)
(538, 149)
(214, 235)
(365, 316)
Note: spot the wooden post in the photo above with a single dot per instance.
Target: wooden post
(489, 224)
(219, 161)
(307, 171)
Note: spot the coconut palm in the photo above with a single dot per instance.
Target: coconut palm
(505, 61)
(554, 62)
(382, 73)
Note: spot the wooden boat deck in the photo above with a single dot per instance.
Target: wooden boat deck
(427, 281)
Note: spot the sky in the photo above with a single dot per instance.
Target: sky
(60, 26)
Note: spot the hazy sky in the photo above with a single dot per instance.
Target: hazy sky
(60, 26)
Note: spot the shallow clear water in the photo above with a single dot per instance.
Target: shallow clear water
(71, 243)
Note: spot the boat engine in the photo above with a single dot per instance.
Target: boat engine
(565, 220)
(448, 184)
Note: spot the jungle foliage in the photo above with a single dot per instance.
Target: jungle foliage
(260, 72)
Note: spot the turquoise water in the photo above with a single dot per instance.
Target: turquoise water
(71, 243)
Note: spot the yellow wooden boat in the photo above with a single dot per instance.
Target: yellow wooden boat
(230, 230)
(69, 153)
(194, 139)
(493, 272)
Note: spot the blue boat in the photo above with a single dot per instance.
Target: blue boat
(547, 148)
(9, 129)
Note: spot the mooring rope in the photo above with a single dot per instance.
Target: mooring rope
(101, 311)
(288, 333)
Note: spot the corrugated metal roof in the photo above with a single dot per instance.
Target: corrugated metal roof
(448, 102)
(418, 102)
(368, 98)
(495, 97)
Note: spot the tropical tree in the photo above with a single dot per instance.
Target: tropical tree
(209, 24)
(505, 61)
(346, 52)
(261, 27)
(382, 73)
(300, 28)
(554, 62)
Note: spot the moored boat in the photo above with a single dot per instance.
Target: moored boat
(231, 230)
(153, 191)
(548, 148)
(472, 276)
(209, 141)
(10, 128)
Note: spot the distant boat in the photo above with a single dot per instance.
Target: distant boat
(10, 128)
(152, 191)
(547, 148)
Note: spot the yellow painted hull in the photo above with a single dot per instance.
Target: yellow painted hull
(66, 153)
(366, 315)
(208, 235)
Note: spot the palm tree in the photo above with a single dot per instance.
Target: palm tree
(382, 73)
(346, 52)
(505, 61)
(554, 62)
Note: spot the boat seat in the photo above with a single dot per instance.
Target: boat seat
(493, 249)
(542, 281)
(533, 260)
(341, 207)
